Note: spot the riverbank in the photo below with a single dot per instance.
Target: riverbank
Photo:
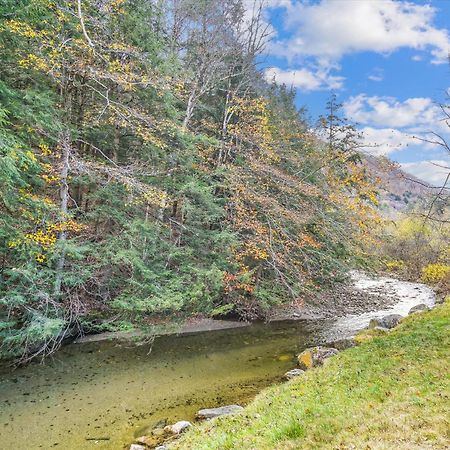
(390, 392)
(106, 394)
(359, 294)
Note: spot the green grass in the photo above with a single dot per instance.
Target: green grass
(391, 392)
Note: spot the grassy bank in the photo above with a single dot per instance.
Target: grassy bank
(390, 392)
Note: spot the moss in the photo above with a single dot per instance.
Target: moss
(305, 359)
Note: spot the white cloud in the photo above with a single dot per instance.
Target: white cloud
(304, 79)
(433, 171)
(320, 33)
(383, 141)
(333, 28)
(389, 112)
(376, 75)
(391, 125)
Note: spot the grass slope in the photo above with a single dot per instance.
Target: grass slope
(391, 392)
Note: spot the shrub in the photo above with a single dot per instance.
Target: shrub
(435, 273)
(395, 265)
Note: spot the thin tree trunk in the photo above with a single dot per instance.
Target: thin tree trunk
(189, 109)
(226, 119)
(64, 196)
(116, 145)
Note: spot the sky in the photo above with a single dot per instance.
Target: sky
(386, 60)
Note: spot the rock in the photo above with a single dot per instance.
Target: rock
(390, 321)
(381, 329)
(160, 424)
(150, 441)
(293, 373)
(419, 308)
(161, 447)
(343, 344)
(210, 413)
(158, 432)
(313, 357)
(137, 447)
(178, 427)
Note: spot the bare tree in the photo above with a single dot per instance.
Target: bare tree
(252, 33)
(439, 201)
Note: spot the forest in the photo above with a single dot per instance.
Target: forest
(224, 224)
(149, 171)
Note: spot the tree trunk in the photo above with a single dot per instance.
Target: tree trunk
(225, 121)
(189, 109)
(64, 196)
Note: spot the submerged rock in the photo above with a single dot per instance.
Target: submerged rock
(178, 427)
(293, 373)
(390, 321)
(158, 432)
(137, 447)
(149, 441)
(160, 424)
(313, 357)
(419, 308)
(210, 413)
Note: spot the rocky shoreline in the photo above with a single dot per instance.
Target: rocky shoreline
(353, 297)
(161, 435)
(361, 294)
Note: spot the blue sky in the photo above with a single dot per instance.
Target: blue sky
(387, 60)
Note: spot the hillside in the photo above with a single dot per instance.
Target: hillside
(149, 172)
(399, 191)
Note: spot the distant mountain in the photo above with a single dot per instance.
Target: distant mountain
(399, 190)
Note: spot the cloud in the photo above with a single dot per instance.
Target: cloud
(330, 29)
(383, 141)
(390, 125)
(304, 79)
(433, 171)
(316, 35)
(376, 75)
(390, 112)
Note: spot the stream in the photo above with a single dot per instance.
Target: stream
(104, 394)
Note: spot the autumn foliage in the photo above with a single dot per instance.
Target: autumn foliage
(134, 186)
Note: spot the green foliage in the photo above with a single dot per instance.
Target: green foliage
(147, 171)
(417, 248)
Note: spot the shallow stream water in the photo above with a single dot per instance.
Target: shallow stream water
(103, 394)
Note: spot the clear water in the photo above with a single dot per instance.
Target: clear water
(114, 390)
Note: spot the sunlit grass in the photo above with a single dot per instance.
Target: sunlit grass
(390, 392)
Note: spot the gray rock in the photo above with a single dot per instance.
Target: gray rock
(381, 329)
(390, 321)
(210, 413)
(343, 344)
(160, 424)
(178, 427)
(419, 308)
(137, 447)
(161, 447)
(293, 373)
